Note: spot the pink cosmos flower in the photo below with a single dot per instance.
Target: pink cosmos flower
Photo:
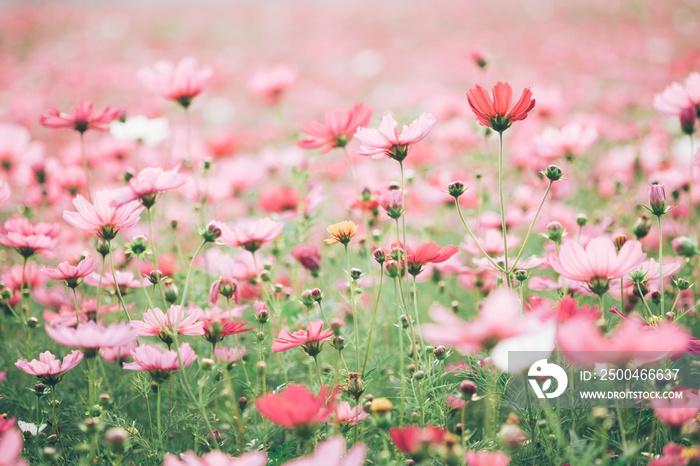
(413, 439)
(125, 280)
(217, 325)
(102, 218)
(572, 140)
(486, 458)
(308, 256)
(427, 253)
(72, 275)
(251, 234)
(296, 406)
(91, 336)
(598, 263)
(147, 185)
(4, 191)
(229, 356)
(677, 411)
(48, 368)
(29, 239)
(337, 129)
(346, 415)
(216, 458)
(495, 114)
(271, 84)
(387, 142)
(11, 445)
(159, 363)
(676, 455)
(454, 402)
(226, 284)
(165, 324)
(81, 118)
(391, 202)
(331, 452)
(181, 82)
(678, 97)
(310, 339)
(118, 354)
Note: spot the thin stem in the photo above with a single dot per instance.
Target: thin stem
(532, 225)
(403, 220)
(402, 364)
(116, 285)
(91, 380)
(158, 416)
(189, 272)
(55, 420)
(374, 316)
(622, 295)
(75, 300)
(99, 289)
(691, 207)
(415, 309)
(661, 271)
(355, 317)
(621, 426)
(318, 372)
(476, 241)
(86, 168)
(646, 306)
(503, 208)
(675, 301)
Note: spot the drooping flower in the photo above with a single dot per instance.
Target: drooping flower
(159, 363)
(332, 452)
(310, 339)
(146, 186)
(181, 82)
(165, 325)
(91, 336)
(677, 411)
(48, 368)
(599, 263)
(296, 406)
(102, 218)
(251, 234)
(338, 127)
(72, 275)
(342, 232)
(497, 114)
(216, 458)
(487, 458)
(385, 141)
(81, 118)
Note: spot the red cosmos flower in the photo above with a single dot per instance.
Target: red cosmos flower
(48, 368)
(495, 114)
(71, 274)
(308, 256)
(337, 128)
(148, 184)
(102, 218)
(217, 326)
(181, 82)
(414, 440)
(310, 339)
(296, 406)
(425, 253)
(81, 118)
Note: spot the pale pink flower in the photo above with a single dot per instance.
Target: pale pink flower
(159, 363)
(72, 275)
(332, 452)
(387, 142)
(346, 415)
(4, 191)
(598, 263)
(81, 118)
(677, 411)
(310, 339)
(572, 140)
(391, 202)
(251, 234)
(29, 239)
(118, 353)
(677, 97)
(11, 445)
(650, 269)
(102, 218)
(487, 458)
(16, 147)
(48, 368)
(146, 186)
(125, 280)
(216, 458)
(165, 324)
(271, 84)
(181, 82)
(338, 127)
(229, 356)
(91, 336)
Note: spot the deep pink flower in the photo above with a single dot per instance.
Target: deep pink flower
(251, 234)
(159, 363)
(676, 455)
(310, 339)
(216, 458)
(427, 253)
(387, 142)
(487, 458)
(217, 325)
(146, 186)
(296, 406)
(331, 452)
(48, 368)
(91, 336)
(338, 127)
(81, 118)
(677, 411)
(102, 218)
(181, 82)
(415, 441)
(308, 256)
(71, 274)
(346, 415)
(455, 402)
(496, 114)
(11, 445)
(165, 324)
(598, 263)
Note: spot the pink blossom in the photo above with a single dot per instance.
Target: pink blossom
(11, 445)
(572, 140)
(270, 84)
(387, 142)
(125, 280)
(673, 100)
(165, 324)
(346, 415)
(29, 239)
(308, 256)
(147, 185)
(81, 118)
(229, 355)
(48, 368)
(497, 114)
(251, 234)
(331, 452)
(487, 458)
(216, 458)
(90, 335)
(491, 242)
(391, 202)
(102, 218)
(159, 363)
(427, 253)
(311, 339)
(677, 411)
(72, 275)
(338, 127)
(181, 82)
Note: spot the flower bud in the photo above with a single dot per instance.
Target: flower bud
(39, 389)
(260, 336)
(278, 287)
(355, 273)
(687, 117)
(339, 343)
(102, 247)
(683, 284)
(307, 298)
(553, 173)
(419, 375)
(317, 295)
(522, 275)
(138, 245)
(354, 385)
(620, 241)
(657, 199)
(171, 290)
(642, 226)
(116, 435)
(685, 246)
(440, 352)
(392, 268)
(212, 233)
(456, 189)
(510, 434)
(32, 322)
(381, 406)
(155, 276)
(379, 256)
(581, 220)
(555, 231)
(217, 436)
(336, 325)
(242, 402)
(467, 388)
(404, 321)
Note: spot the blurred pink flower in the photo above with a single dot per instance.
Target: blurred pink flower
(48, 368)
(181, 82)
(676, 98)
(72, 275)
(217, 325)
(387, 142)
(572, 140)
(338, 127)
(251, 234)
(296, 406)
(165, 324)
(125, 280)
(11, 445)
(91, 336)
(491, 241)
(311, 339)
(486, 458)
(81, 118)
(455, 402)
(118, 354)
(271, 84)
(102, 218)
(147, 185)
(391, 202)
(159, 363)
(412, 439)
(677, 411)
(346, 415)
(331, 452)
(29, 239)
(496, 114)
(228, 355)
(308, 256)
(216, 458)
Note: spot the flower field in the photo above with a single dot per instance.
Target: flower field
(346, 233)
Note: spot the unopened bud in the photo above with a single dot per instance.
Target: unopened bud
(440, 352)
(102, 247)
(379, 256)
(642, 226)
(522, 275)
(404, 321)
(116, 435)
(155, 276)
(242, 402)
(555, 231)
(307, 298)
(581, 220)
(32, 322)
(553, 173)
(657, 199)
(171, 290)
(212, 233)
(336, 325)
(456, 189)
(317, 295)
(467, 388)
(339, 343)
(620, 241)
(687, 117)
(355, 273)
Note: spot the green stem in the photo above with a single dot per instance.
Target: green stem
(403, 221)
(459, 211)
(189, 272)
(355, 317)
(318, 372)
(661, 271)
(91, 381)
(86, 168)
(532, 225)
(415, 310)
(691, 207)
(116, 285)
(503, 208)
(374, 316)
(158, 416)
(646, 306)
(675, 301)
(55, 420)
(99, 289)
(75, 300)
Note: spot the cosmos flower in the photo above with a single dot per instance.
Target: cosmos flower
(216, 458)
(147, 185)
(342, 232)
(295, 406)
(332, 452)
(81, 118)
(91, 336)
(159, 363)
(412, 439)
(181, 82)
(165, 324)
(486, 458)
(677, 411)
(338, 127)
(308, 256)
(345, 415)
(387, 142)
(495, 113)
(49, 368)
(72, 275)
(310, 339)
(251, 234)
(102, 218)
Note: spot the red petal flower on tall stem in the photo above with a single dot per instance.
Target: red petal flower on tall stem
(102, 218)
(181, 82)
(49, 368)
(387, 142)
(81, 118)
(310, 339)
(296, 406)
(427, 253)
(337, 129)
(495, 113)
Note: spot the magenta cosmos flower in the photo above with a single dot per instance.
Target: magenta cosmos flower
(72, 275)
(677, 411)
(310, 339)
(102, 218)
(251, 234)
(216, 458)
(598, 263)
(337, 129)
(387, 142)
(159, 363)
(181, 82)
(217, 324)
(497, 114)
(48, 368)
(91, 336)
(165, 325)
(332, 453)
(146, 186)
(81, 118)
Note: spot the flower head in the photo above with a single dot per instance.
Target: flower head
(271, 84)
(496, 114)
(387, 142)
(72, 275)
(102, 218)
(229, 356)
(342, 232)
(308, 256)
(251, 234)
(345, 415)
(296, 406)
(310, 339)
(216, 458)
(391, 202)
(146, 186)
(160, 363)
(181, 82)
(677, 411)
(81, 118)
(337, 129)
(416, 441)
(487, 458)
(91, 336)
(332, 452)
(427, 253)
(217, 325)
(48, 368)
(165, 325)
(29, 239)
